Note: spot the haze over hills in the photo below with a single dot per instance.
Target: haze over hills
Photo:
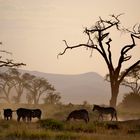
(78, 88)
(90, 87)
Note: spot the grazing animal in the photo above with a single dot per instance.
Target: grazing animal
(105, 110)
(25, 114)
(36, 113)
(79, 114)
(7, 114)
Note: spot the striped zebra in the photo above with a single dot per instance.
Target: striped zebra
(105, 110)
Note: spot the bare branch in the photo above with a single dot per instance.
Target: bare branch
(89, 37)
(104, 36)
(9, 63)
(125, 49)
(128, 70)
(109, 53)
(76, 46)
(135, 30)
(127, 58)
(103, 25)
(6, 52)
(128, 84)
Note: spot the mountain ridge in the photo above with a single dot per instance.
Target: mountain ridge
(77, 88)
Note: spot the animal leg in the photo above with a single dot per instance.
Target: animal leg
(18, 118)
(116, 116)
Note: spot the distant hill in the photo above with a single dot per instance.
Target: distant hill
(90, 87)
(77, 88)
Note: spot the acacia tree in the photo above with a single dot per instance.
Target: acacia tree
(99, 39)
(12, 81)
(6, 85)
(37, 87)
(27, 83)
(19, 81)
(52, 98)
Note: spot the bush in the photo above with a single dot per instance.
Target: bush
(51, 124)
(131, 100)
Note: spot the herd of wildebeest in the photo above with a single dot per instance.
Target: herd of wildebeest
(27, 114)
(22, 113)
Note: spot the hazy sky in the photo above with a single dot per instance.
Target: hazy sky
(33, 31)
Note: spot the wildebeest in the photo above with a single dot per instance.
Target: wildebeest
(79, 114)
(28, 114)
(36, 113)
(105, 110)
(24, 113)
(7, 113)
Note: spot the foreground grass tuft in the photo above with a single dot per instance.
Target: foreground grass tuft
(51, 129)
(51, 124)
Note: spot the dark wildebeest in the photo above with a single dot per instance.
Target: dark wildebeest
(7, 114)
(24, 113)
(79, 114)
(36, 113)
(105, 110)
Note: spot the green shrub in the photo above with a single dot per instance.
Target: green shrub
(51, 124)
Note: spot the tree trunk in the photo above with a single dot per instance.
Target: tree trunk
(114, 95)
(18, 99)
(35, 100)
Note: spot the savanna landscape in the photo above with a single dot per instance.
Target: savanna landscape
(53, 125)
(50, 93)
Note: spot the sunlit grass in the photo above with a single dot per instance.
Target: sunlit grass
(57, 128)
(79, 130)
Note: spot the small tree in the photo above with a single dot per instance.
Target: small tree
(131, 100)
(99, 39)
(52, 98)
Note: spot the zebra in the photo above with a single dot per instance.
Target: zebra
(105, 110)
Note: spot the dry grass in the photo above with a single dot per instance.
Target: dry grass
(57, 129)
(12, 130)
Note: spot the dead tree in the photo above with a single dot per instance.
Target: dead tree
(99, 39)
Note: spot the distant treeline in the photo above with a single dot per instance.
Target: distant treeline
(15, 85)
